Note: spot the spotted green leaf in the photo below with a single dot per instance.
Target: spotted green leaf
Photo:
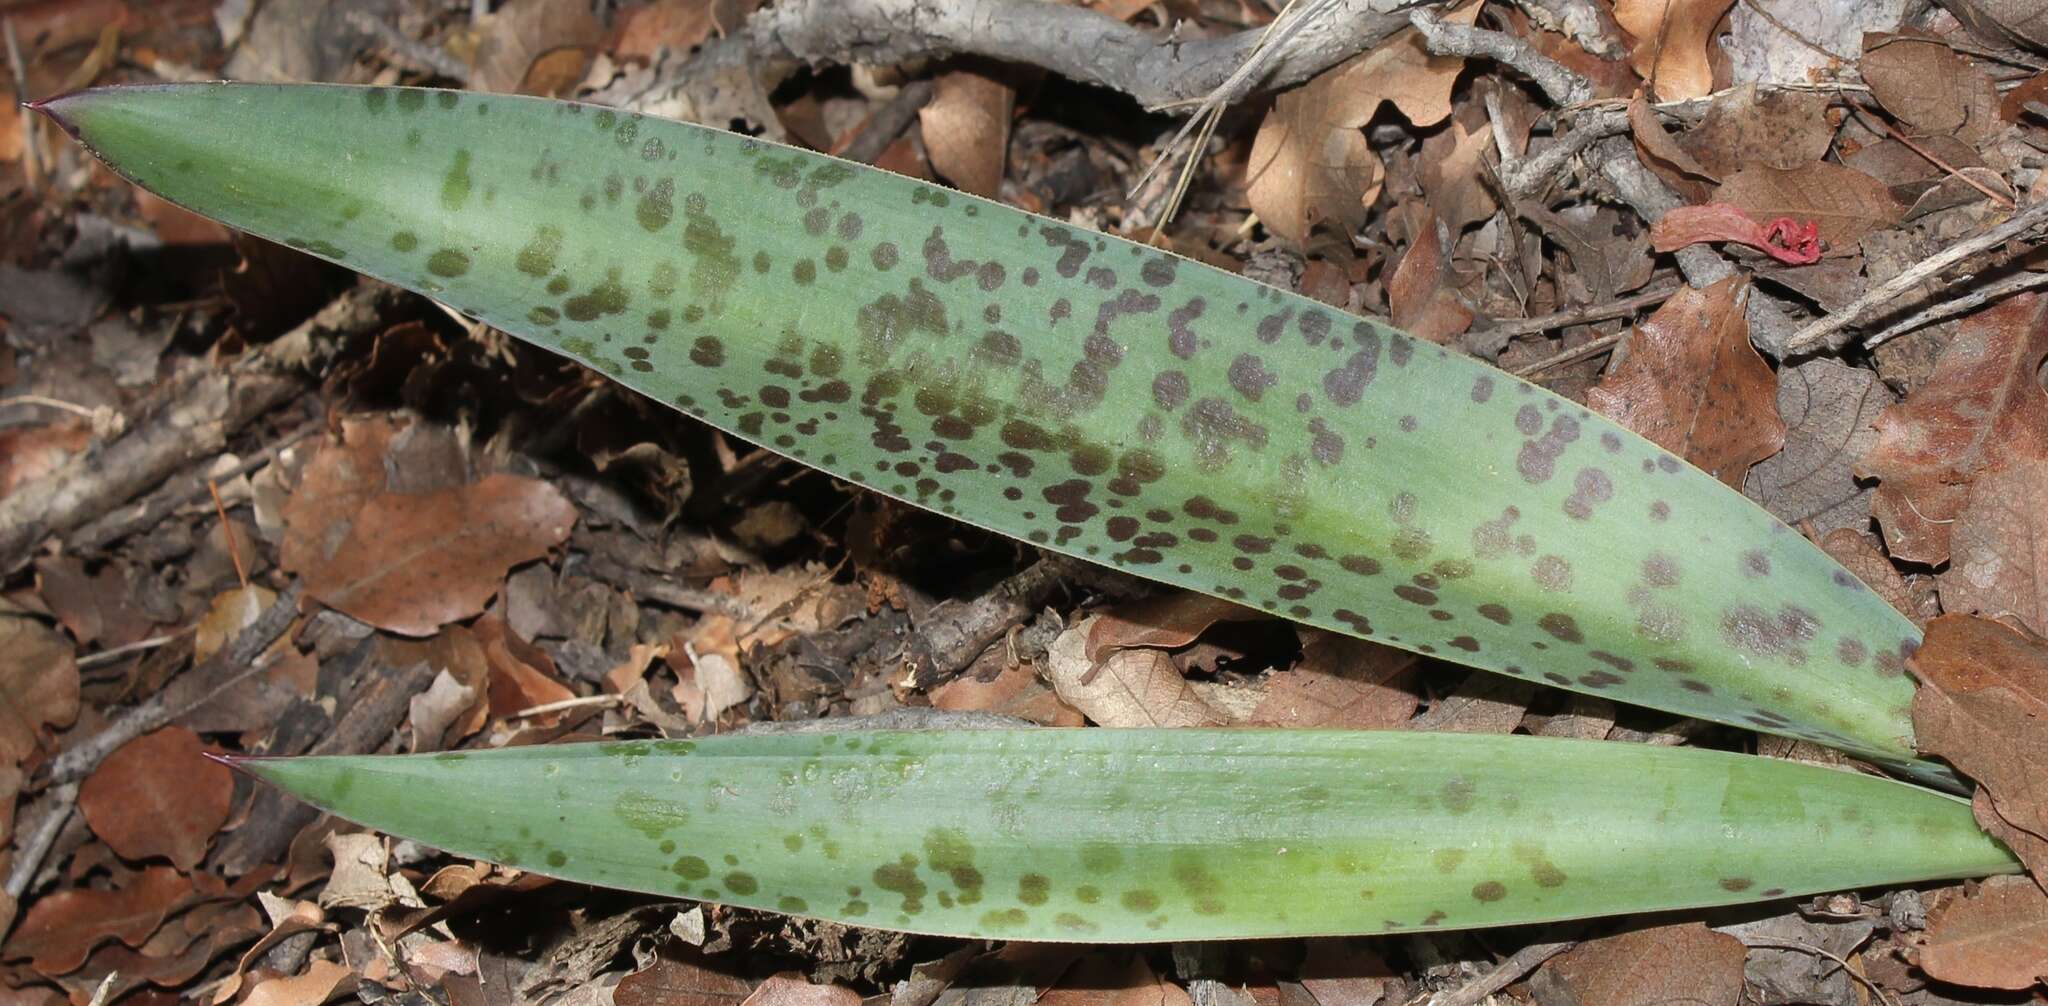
(1084, 393)
(1142, 835)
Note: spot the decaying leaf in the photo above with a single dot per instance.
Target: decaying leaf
(1342, 683)
(61, 929)
(1983, 706)
(1830, 410)
(413, 562)
(1770, 128)
(1982, 406)
(157, 795)
(1860, 556)
(315, 986)
(1672, 42)
(1135, 687)
(1929, 87)
(1783, 239)
(967, 129)
(1844, 202)
(1998, 551)
(534, 47)
(1310, 162)
(1423, 291)
(1686, 963)
(38, 685)
(1996, 937)
(1166, 622)
(1692, 383)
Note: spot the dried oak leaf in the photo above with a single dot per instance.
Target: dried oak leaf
(967, 129)
(1310, 162)
(1859, 555)
(1982, 406)
(1996, 938)
(1830, 411)
(38, 685)
(1672, 39)
(314, 987)
(1768, 128)
(1692, 383)
(158, 795)
(534, 47)
(1928, 86)
(1998, 547)
(682, 977)
(1165, 622)
(1846, 203)
(335, 483)
(1983, 706)
(1422, 294)
(1126, 688)
(1010, 690)
(781, 990)
(61, 929)
(1342, 683)
(1686, 963)
(1113, 979)
(413, 562)
(1662, 153)
(166, 967)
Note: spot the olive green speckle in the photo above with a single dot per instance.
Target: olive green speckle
(690, 868)
(448, 262)
(1489, 890)
(793, 842)
(557, 858)
(1088, 894)
(537, 259)
(792, 905)
(648, 814)
(1140, 900)
(1033, 888)
(1101, 857)
(741, 883)
(456, 183)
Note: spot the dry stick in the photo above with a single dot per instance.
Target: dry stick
(889, 122)
(1821, 334)
(1582, 315)
(160, 505)
(31, 147)
(2016, 283)
(1504, 974)
(1159, 69)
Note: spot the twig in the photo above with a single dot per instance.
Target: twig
(1082, 45)
(1821, 334)
(889, 122)
(58, 803)
(1579, 352)
(419, 54)
(1560, 85)
(1504, 974)
(953, 633)
(2015, 283)
(108, 656)
(1841, 962)
(49, 403)
(1581, 315)
(164, 502)
(566, 704)
(237, 661)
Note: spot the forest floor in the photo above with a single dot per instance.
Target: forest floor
(1793, 243)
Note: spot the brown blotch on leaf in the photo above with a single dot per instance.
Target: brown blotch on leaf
(1562, 627)
(1491, 890)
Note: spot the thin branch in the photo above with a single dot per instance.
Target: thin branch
(1560, 85)
(1504, 974)
(1822, 334)
(1159, 69)
(2018, 282)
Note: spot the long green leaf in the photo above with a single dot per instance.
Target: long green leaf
(1142, 835)
(1084, 393)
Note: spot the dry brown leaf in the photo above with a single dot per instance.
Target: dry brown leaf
(1846, 203)
(1998, 550)
(1830, 411)
(413, 562)
(1662, 153)
(1929, 87)
(522, 675)
(29, 453)
(1982, 406)
(158, 795)
(1342, 683)
(781, 990)
(1422, 294)
(1010, 691)
(518, 38)
(1768, 128)
(1686, 963)
(683, 977)
(1859, 555)
(1983, 706)
(1672, 39)
(1455, 174)
(1113, 979)
(457, 704)
(38, 685)
(164, 967)
(681, 25)
(1996, 938)
(1165, 622)
(314, 987)
(61, 929)
(1127, 688)
(1692, 383)
(231, 611)
(967, 129)
(335, 483)
(1310, 162)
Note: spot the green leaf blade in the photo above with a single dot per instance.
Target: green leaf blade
(1154, 835)
(1071, 389)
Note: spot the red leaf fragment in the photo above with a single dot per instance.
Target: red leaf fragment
(1785, 239)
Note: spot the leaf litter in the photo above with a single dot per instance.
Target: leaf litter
(423, 495)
